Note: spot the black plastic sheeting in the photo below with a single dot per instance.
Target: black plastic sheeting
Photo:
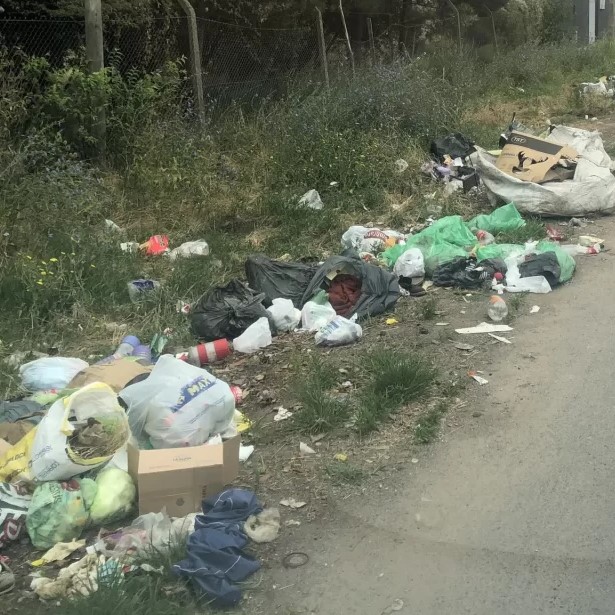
(467, 273)
(379, 288)
(545, 264)
(456, 145)
(226, 311)
(279, 279)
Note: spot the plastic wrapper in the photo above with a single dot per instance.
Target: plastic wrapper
(115, 496)
(50, 373)
(255, 337)
(285, 316)
(339, 332)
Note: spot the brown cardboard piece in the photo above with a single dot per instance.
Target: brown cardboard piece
(117, 374)
(179, 478)
(532, 159)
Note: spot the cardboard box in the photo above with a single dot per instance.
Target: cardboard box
(532, 159)
(179, 478)
(117, 374)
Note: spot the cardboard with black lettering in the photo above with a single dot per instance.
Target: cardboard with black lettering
(533, 160)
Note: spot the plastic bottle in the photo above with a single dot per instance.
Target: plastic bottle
(143, 353)
(497, 310)
(127, 346)
(484, 238)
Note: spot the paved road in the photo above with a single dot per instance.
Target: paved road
(515, 517)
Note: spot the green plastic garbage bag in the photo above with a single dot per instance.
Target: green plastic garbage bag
(505, 218)
(498, 250)
(59, 511)
(443, 241)
(566, 262)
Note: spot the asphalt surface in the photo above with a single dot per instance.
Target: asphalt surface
(515, 516)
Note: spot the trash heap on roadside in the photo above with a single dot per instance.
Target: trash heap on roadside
(154, 430)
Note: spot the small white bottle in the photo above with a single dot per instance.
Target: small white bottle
(497, 310)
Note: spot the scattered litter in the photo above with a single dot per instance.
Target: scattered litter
(245, 452)
(499, 338)
(534, 309)
(462, 346)
(590, 241)
(292, 522)
(484, 327)
(401, 165)
(292, 503)
(255, 337)
(340, 457)
(317, 312)
(442, 324)
(131, 247)
(391, 321)
(414, 460)
(50, 373)
(497, 310)
(339, 332)
(263, 527)
(311, 199)
(576, 222)
(397, 605)
(190, 248)
(139, 289)
(282, 414)
(304, 449)
(112, 226)
(59, 552)
(285, 316)
(156, 245)
(295, 560)
(482, 381)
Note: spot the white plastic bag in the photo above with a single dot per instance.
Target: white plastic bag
(190, 248)
(339, 332)
(178, 405)
(255, 337)
(50, 373)
(372, 240)
(516, 284)
(410, 264)
(285, 316)
(314, 316)
(53, 457)
(311, 199)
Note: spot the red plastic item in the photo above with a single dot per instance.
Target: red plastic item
(156, 245)
(554, 234)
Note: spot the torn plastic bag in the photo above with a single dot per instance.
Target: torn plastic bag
(278, 279)
(545, 265)
(500, 220)
(467, 273)
(592, 190)
(50, 373)
(372, 240)
(178, 405)
(443, 241)
(566, 262)
(339, 332)
(455, 145)
(588, 144)
(226, 311)
(516, 284)
(379, 288)
(410, 264)
(255, 337)
(285, 316)
(317, 312)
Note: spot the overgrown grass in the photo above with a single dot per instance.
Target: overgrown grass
(533, 230)
(427, 307)
(344, 473)
(428, 425)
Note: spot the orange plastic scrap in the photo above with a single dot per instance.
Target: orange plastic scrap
(155, 245)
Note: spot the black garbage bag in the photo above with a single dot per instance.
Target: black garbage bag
(545, 264)
(278, 279)
(379, 288)
(456, 145)
(467, 273)
(226, 311)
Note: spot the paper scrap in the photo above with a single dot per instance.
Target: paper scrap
(391, 321)
(59, 552)
(499, 338)
(535, 309)
(304, 449)
(484, 327)
(282, 414)
(482, 381)
(292, 503)
(442, 324)
(245, 452)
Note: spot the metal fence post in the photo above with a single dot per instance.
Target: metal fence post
(370, 34)
(196, 68)
(322, 48)
(96, 62)
(495, 34)
(458, 24)
(347, 37)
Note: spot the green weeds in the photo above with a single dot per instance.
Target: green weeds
(428, 426)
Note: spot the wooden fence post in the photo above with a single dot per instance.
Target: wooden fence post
(322, 48)
(96, 62)
(370, 34)
(196, 68)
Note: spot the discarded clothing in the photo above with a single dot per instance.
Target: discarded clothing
(226, 311)
(344, 293)
(278, 279)
(14, 502)
(467, 273)
(379, 288)
(455, 145)
(545, 264)
(215, 562)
